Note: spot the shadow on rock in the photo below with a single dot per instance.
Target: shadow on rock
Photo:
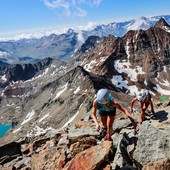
(161, 115)
(129, 162)
(128, 168)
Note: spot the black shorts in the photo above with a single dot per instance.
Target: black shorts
(107, 113)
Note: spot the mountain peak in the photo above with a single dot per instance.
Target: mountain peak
(162, 23)
(70, 31)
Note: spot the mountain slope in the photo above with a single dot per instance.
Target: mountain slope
(57, 101)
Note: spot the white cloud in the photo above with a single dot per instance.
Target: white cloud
(97, 2)
(56, 4)
(90, 2)
(81, 12)
(88, 27)
(71, 8)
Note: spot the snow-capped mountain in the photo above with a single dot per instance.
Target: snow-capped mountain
(63, 46)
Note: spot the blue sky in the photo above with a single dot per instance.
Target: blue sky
(23, 16)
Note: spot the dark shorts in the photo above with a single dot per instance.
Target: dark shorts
(107, 113)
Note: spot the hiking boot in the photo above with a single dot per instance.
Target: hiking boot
(108, 137)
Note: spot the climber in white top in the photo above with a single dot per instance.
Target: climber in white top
(144, 99)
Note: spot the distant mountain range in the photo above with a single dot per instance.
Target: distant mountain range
(63, 46)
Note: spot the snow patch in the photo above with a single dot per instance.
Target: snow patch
(36, 131)
(77, 90)
(160, 90)
(60, 92)
(28, 117)
(70, 120)
(124, 67)
(89, 66)
(44, 117)
(3, 78)
(2, 53)
(17, 130)
(120, 83)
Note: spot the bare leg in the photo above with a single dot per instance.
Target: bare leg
(152, 109)
(110, 120)
(104, 128)
(144, 107)
(104, 120)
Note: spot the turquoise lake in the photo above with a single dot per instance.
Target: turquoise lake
(4, 129)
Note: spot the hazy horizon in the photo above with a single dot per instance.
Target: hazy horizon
(31, 16)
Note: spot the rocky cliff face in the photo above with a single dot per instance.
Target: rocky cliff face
(140, 58)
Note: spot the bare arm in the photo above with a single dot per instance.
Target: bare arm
(120, 107)
(94, 115)
(123, 109)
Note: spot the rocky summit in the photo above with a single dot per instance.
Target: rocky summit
(49, 104)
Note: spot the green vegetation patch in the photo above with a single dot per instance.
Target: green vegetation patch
(163, 99)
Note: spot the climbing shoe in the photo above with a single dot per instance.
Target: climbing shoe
(108, 137)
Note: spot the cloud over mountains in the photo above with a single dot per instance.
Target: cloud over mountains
(71, 8)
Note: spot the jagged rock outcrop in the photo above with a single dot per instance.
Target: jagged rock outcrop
(150, 144)
(89, 43)
(163, 164)
(9, 152)
(91, 158)
(162, 24)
